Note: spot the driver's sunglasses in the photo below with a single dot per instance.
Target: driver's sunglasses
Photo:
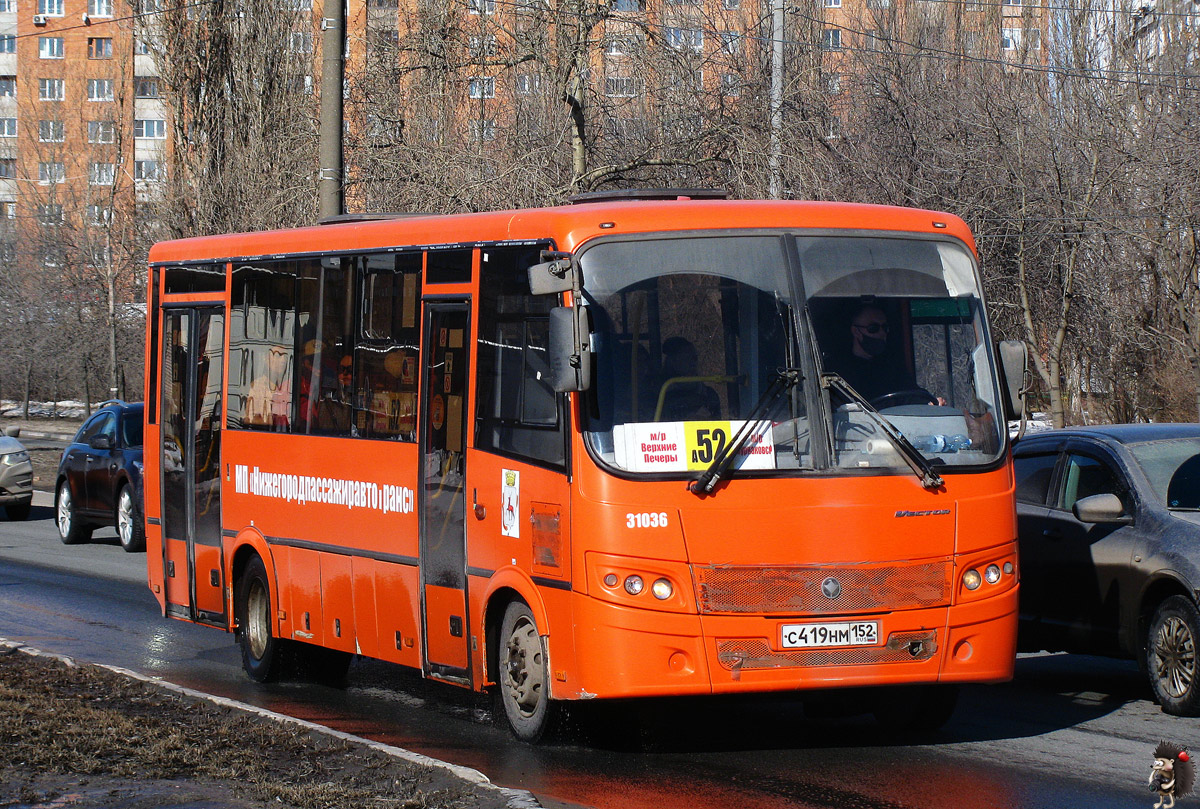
(873, 328)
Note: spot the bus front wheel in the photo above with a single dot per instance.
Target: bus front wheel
(262, 652)
(524, 679)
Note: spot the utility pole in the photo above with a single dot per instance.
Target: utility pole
(331, 198)
(775, 159)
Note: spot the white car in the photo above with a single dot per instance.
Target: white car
(16, 478)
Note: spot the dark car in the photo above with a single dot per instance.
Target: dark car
(1109, 527)
(99, 479)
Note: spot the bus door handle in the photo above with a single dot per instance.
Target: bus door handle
(480, 511)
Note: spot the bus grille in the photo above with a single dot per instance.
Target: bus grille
(797, 590)
(755, 653)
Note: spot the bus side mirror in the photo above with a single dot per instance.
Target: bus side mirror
(1014, 377)
(570, 349)
(552, 276)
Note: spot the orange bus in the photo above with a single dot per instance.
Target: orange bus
(644, 444)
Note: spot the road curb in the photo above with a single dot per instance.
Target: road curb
(514, 798)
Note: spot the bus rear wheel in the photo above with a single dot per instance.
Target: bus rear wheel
(262, 652)
(524, 678)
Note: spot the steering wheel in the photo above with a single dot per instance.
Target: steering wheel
(911, 396)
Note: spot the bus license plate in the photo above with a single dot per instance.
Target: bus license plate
(848, 633)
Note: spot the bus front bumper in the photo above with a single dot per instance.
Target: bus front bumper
(624, 652)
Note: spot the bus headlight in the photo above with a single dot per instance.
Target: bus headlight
(972, 579)
(634, 585)
(662, 589)
(992, 574)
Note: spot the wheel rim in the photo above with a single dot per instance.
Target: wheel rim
(64, 510)
(258, 627)
(1175, 656)
(125, 517)
(524, 668)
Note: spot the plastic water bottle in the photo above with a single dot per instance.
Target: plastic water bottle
(930, 443)
(957, 442)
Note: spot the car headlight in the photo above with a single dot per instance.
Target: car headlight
(14, 458)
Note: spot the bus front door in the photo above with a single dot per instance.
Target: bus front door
(192, 373)
(444, 409)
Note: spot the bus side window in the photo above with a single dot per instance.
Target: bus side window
(518, 414)
(386, 355)
(261, 344)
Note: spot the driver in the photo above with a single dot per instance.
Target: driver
(870, 367)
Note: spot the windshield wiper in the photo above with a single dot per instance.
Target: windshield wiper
(785, 379)
(912, 456)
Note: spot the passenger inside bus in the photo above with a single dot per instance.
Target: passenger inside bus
(335, 410)
(684, 396)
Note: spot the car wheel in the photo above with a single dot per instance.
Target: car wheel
(70, 528)
(18, 511)
(262, 652)
(524, 678)
(1171, 656)
(130, 527)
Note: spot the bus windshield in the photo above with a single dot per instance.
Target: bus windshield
(689, 332)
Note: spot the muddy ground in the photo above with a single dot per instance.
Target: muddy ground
(86, 736)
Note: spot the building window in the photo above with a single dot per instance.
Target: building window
(153, 128)
(8, 43)
(102, 173)
(483, 129)
(100, 8)
(101, 132)
(831, 39)
(8, 127)
(99, 47)
(50, 214)
(50, 48)
(146, 170)
(481, 87)
(51, 131)
(1010, 39)
(145, 87)
(8, 209)
(8, 168)
(620, 86)
(482, 6)
(300, 42)
(98, 215)
(485, 46)
(1033, 38)
(528, 84)
(300, 5)
(100, 89)
(51, 89)
(731, 85)
(51, 8)
(8, 5)
(731, 42)
(879, 5)
(629, 5)
(684, 38)
(52, 173)
(833, 83)
(141, 47)
(833, 3)
(8, 86)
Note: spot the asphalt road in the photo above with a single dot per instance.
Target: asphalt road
(1068, 732)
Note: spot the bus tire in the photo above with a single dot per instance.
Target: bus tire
(130, 527)
(1171, 657)
(71, 529)
(262, 652)
(914, 710)
(524, 688)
